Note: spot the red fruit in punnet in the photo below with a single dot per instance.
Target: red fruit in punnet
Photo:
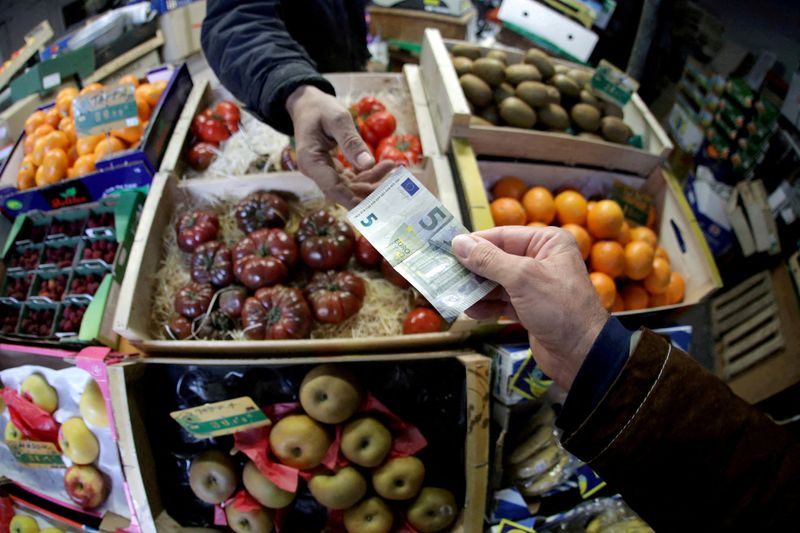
(259, 210)
(422, 320)
(392, 276)
(264, 258)
(8, 319)
(70, 228)
(335, 296)
(53, 288)
(231, 301)
(100, 220)
(28, 259)
(408, 145)
(325, 241)
(38, 322)
(276, 313)
(71, 319)
(201, 155)
(61, 256)
(195, 228)
(102, 249)
(17, 287)
(87, 284)
(212, 263)
(180, 327)
(193, 299)
(366, 254)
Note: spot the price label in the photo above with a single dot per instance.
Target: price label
(105, 110)
(507, 526)
(611, 84)
(36, 454)
(635, 204)
(51, 80)
(221, 418)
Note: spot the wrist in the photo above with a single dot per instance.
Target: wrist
(585, 342)
(301, 93)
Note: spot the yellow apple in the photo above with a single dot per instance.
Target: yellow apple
(38, 390)
(258, 521)
(93, 406)
(399, 478)
(23, 524)
(338, 491)
(299, 441)
(433, 510)
(366, 442)
(12, 433)
(263, 490)
(212, 476)
(370, 516)
(51, 530)
(330, 394)
(78, 442)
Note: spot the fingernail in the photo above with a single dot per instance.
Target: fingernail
(365, 160)
(463, 245)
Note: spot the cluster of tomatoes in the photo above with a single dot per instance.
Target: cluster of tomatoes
(248, 285)
(628, 268)
(54, 152)
(376, 126)
(210, 127)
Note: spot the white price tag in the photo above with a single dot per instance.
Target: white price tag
(51, 80)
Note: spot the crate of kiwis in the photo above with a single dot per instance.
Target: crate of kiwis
(528, 105)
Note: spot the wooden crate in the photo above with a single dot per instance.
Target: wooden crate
(452, 120)
(143, 472)
(676, 226)
(752, 324)
(409, 25)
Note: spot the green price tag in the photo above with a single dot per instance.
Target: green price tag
(635, 204)
(611, 84)
(106, 110)
(35, 454)
(221, 418)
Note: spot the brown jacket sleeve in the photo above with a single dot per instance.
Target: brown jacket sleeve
(685, 452)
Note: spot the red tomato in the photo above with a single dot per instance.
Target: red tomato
(366, 106)
(325, 241)
(366, 255)
(276, 313)
(409, 145)
(335, 296)
(264, 258)
(422, 320)
(201, 155)
(229, 112)
(343, 160)
(391, 275)
(376, 127)
(213, 130)
(390, 153)
(195, 228)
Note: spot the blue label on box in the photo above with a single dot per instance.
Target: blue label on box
(507, 526)
(529, 381)
(588, 481)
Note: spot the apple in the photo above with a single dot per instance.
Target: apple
(258, 521)
(366, 442)
(21, 523)
(299, 441)
(51, 530)
(12, 433)
(263, 490)
(330, 394)
(370, 516)
(36, 389)
(212, 476)
(78, 442)
(433, 510)
(339, 491)
(399, 479)
(93, 406)
(86, 485)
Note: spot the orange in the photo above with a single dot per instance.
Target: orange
(84, 165)
(624, 236)
(675, 289)
(582, 237)
(536, 225)
(618, 306)
(67, 125)
(42, 130)
(55, 139)
(129, 78)
(605, 220)
(589, 205)
(130, 135)
(507, 212)
(662, 253)
(657, 281)
(38, 150)
(52, 117)
(36, 119)
(643, 233)
(142, 107)
(28, 143)
(107, 146)
(39, 177)
(608, 257)
(570, 208)
(539, 205)
(151, 92)
(86, 145)
(605, 288)
(509, 187)
(635, 297)
(26, 174)
(54, 166)
(92, 87)
(639, 257)
(657, 300)
(72, 154)
(64, 105)
(66, 92)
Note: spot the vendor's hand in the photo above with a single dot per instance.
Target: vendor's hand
(321, 123)
(544, 285)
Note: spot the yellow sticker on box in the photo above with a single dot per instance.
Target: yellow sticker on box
(221, 418)
(507, 526)
(36, 454)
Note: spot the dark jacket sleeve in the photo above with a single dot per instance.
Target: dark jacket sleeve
(685, 452)
(247, 45)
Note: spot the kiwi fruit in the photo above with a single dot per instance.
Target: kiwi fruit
(463, 65)
(553, 94)
(466, 50)
(561, 69)
(475, 89)
(588, 98)
(478, 121)
(489, 70)
(590, 135)
(585, 116)
(541, 61)
(554, 117)
(517, 113)
(490, 114)
(614, 130)
(565, 85)
(533, 93)
(580, 76)
(612, 110)
(503, 91)
(516, 74)
(498, 55)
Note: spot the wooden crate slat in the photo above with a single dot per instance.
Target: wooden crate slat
(745, 362)
(740, 289)
(752, 340)
(725, 325)
(743, 301)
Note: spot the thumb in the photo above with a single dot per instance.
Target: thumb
(487, 260)
(353, 146)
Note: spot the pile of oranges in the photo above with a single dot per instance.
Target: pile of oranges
(627, 267)
(54, 152)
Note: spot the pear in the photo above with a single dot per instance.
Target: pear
(399, 479)
(330, 394)
(258, 521)
(339, 491)
(299, 441)
(212, 476)
(433, 510)
(366, 442)
(370, 516)
(263, 490)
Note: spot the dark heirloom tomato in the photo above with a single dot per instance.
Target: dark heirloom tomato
(180, 328)
(211, 263)
(276, 313)
(392, 276)
(366, 254)
(408, 145)
(201, 155)
(195, 228)
(264, 258)
(325, 241)
(377, 126)
(217, 326)
(231, 301)
(422, 320)
(193, 300)
(259, 210)
(335, 296)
